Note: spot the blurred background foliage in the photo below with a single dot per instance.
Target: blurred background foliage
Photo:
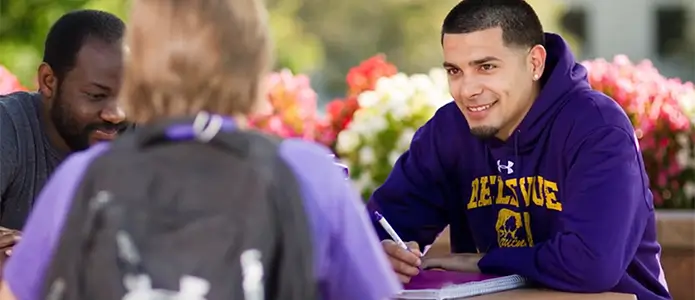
(321, 38)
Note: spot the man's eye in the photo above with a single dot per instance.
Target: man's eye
(487, 67)
(95, 97)
(452, 71)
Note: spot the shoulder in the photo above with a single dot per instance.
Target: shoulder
(19, 102)
(321, 181)
(589, 111)
(303, 148)
(13, 108)
(16, 109)
(593, 105)
(313, 165)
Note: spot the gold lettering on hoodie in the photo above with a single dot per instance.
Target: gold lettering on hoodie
(514, 227)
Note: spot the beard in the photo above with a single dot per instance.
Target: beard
(75, 135)
(484, 132)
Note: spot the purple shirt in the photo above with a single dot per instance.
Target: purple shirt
(349, 262)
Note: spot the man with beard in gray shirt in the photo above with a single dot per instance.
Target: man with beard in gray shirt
(75, 107)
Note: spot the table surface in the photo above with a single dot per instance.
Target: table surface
(535, 294)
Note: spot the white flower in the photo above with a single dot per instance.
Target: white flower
(393, 157)
(400, 112)
(364, 181)
(683, 158)
(384, 84)
(366, 155)
(422, 82)
(689, 190)
(437, 98)
(682, 140)
(388, 117)
(360, 123)
(401, 80)
(395, 98)
(404, 140)
(687, 101)
(439, 77)
(368, 99)
(379, 123)
(684, 155)
(347, 141)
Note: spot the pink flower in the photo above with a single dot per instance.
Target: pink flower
(652, 102)
(290, 107)
(9, 82)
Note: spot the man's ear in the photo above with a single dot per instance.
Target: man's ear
(537, 57)
(48, 82)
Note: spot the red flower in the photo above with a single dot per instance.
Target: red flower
(364, 76)
(335, 108)
(359, 79)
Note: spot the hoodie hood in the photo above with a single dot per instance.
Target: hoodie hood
(562, 76)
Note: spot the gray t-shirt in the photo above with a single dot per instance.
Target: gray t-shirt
(26, 156)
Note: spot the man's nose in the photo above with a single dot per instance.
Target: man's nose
(469, 88)
(113, 113)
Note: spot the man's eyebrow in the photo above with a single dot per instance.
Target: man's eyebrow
(101, 86)
(450, 65)
(477, 62)
(482, 61)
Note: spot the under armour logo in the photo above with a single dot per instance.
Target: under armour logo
(507, 167)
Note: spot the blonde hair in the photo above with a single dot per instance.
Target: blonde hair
(186, 56)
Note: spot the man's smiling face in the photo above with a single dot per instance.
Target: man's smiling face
(85, 110)
(492, 83)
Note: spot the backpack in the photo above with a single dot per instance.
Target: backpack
(185, 209)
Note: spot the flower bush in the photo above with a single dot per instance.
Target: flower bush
(290, 108)
(9, 82)
(662, 110)
(359, 79)
(375, 122)
(384, 124)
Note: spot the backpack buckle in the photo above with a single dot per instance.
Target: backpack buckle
(206, 126)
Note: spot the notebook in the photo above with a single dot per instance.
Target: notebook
(446, 285)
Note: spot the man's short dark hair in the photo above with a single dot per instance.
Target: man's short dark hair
(69, 33)
(517, 19)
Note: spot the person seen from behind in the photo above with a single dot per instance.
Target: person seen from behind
(192, 204)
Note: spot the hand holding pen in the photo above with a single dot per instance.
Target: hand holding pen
(404, 257)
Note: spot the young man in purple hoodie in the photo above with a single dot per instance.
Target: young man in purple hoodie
(536, 173)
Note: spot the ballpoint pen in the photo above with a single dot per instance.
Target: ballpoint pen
(394, 236)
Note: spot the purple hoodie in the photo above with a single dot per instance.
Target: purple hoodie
(349, 262)
(564, 201)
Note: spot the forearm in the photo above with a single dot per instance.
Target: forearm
(6, 292)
